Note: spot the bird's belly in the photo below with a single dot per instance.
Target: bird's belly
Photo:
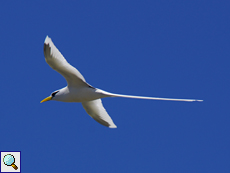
(82, 95)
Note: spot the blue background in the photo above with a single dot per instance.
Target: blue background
(177, 49)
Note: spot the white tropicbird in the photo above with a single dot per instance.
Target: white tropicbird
(78, 90)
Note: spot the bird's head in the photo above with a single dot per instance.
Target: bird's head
(51, 97)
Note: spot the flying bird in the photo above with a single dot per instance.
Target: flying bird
(78, 90)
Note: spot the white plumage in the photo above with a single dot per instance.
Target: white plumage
(78, 90)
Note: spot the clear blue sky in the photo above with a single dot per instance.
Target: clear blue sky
(177, 49)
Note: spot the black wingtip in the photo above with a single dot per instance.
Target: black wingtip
(45, 47)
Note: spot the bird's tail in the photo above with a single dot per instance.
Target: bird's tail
(150, 98)
(108, 94)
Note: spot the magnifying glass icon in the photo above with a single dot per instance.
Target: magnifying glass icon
(9, 160)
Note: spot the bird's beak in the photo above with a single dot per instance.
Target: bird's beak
(46, 99)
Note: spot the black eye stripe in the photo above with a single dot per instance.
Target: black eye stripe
(54, 93)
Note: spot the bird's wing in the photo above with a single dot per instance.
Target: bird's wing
(96, 110)
(57, 62)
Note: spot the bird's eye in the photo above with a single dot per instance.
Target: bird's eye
(54, 93)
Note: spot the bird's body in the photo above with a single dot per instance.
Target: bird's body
(78, 90)
(71, 94)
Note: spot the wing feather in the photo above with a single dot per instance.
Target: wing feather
(96, 110)
(57, 62)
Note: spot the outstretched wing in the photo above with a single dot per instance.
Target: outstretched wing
(96, 110)
(57, 62)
